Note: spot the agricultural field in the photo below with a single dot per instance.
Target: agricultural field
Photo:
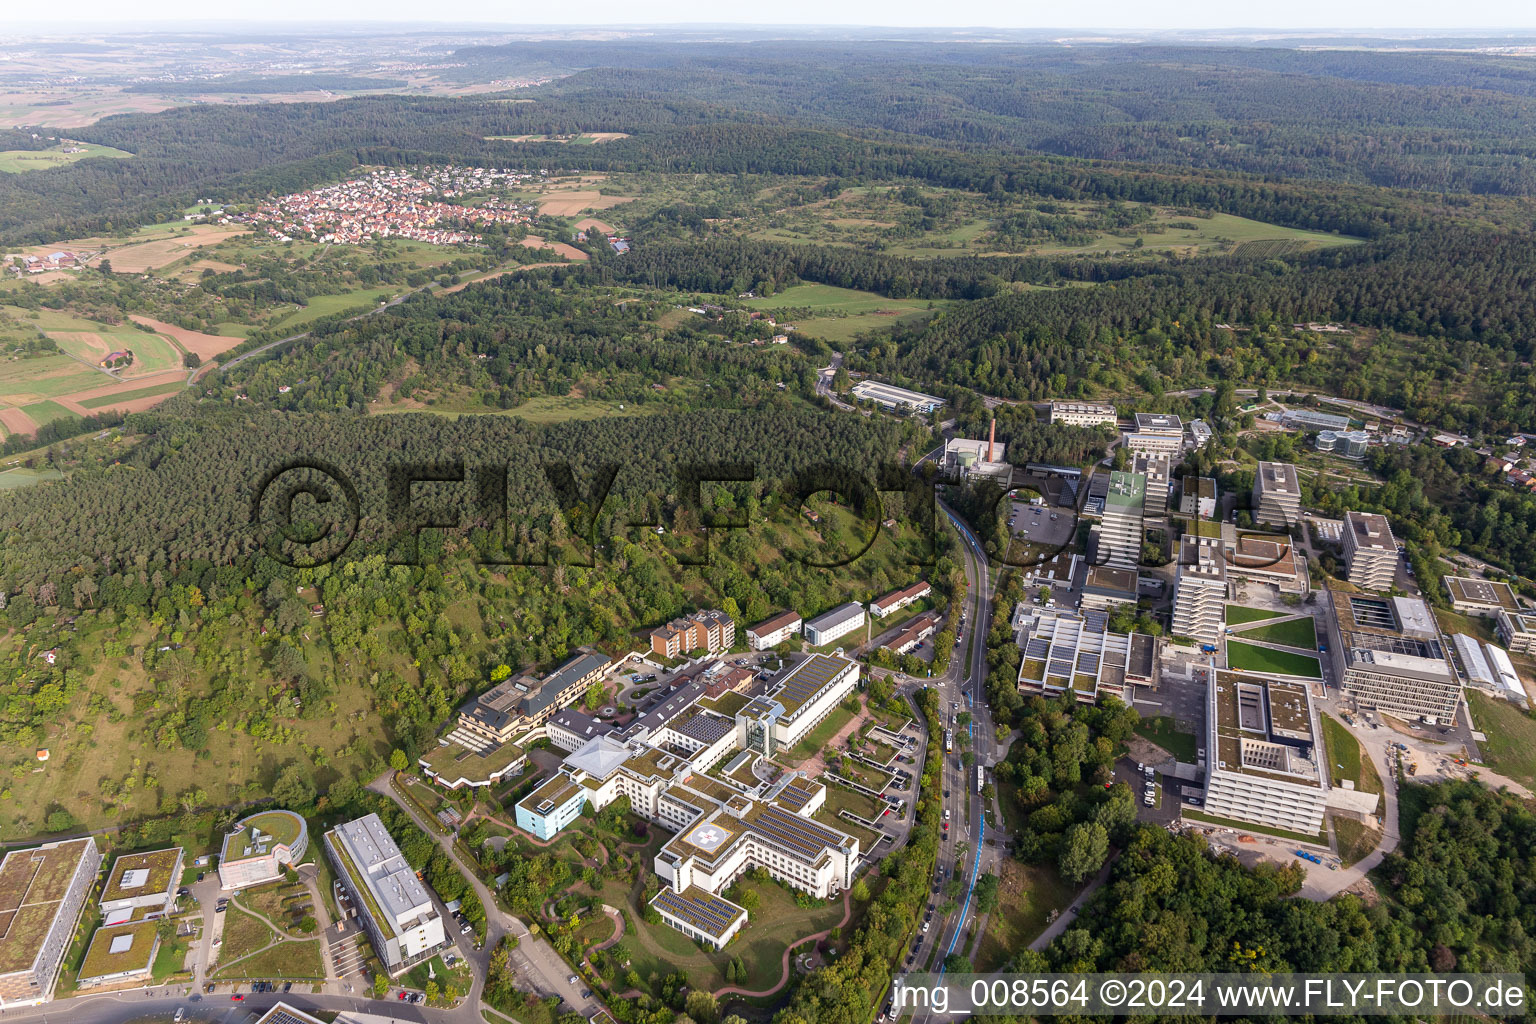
(140, 257)
(20, 161)
(571, 202)
(838, 314)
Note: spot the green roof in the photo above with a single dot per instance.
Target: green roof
(160, 864)
(454, 762)
(357, 883)
(283, 826)
(139, 956)
(33, 883)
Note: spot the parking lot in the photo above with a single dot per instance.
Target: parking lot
(1165, 807)
(1180, 693)
(1041, 524)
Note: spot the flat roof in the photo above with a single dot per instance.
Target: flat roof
(1158, 421)
(453, 762)
(1263, 727)
(1126, 490)
(1521, 622)
(1469, 590)
(837, 616)
(118, 949)
(275, 827)
(282, 1013)
(796, 795)
(1104, 579)
(1255, 553)
(391, 880)
(555, 791)
(1278, 478)
(140, 874)
(33, 884)
(806, 681)
(704, 726)
(707, 913)
(1371, 531)
(882, 392)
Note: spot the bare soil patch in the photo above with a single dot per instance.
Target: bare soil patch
(570, 252)
(17, 422)
(570, 203)
(127, 405)
(589, 223)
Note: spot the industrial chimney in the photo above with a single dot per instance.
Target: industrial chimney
(991, 438)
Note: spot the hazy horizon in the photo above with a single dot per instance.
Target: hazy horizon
(1353, 17)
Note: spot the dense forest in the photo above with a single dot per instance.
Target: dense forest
(1457, 897)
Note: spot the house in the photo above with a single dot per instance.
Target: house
(885, 604)
(774, 631)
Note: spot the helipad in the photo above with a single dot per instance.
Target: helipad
(709, 836)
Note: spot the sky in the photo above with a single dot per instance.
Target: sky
(1124, 15)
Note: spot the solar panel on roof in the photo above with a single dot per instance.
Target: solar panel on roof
(706, 912)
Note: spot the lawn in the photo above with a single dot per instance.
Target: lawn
(1510, 748)
(287, 959)
(276, 902)
(458, 975)
(1237, 613)
(1248, 658)
(1218, 232)
(318, 306)
(1474, 626)
(170, 959)
(1292, 633)
(822, 734)
(1162, 730)
(1026, 896)
(22, 477)
(19, 161)
(243, 935)
(776, 922)
(1354, 839)
(1345, 758)
(837, 314)
(542, 409)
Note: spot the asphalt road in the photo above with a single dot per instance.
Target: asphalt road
(962, 689)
